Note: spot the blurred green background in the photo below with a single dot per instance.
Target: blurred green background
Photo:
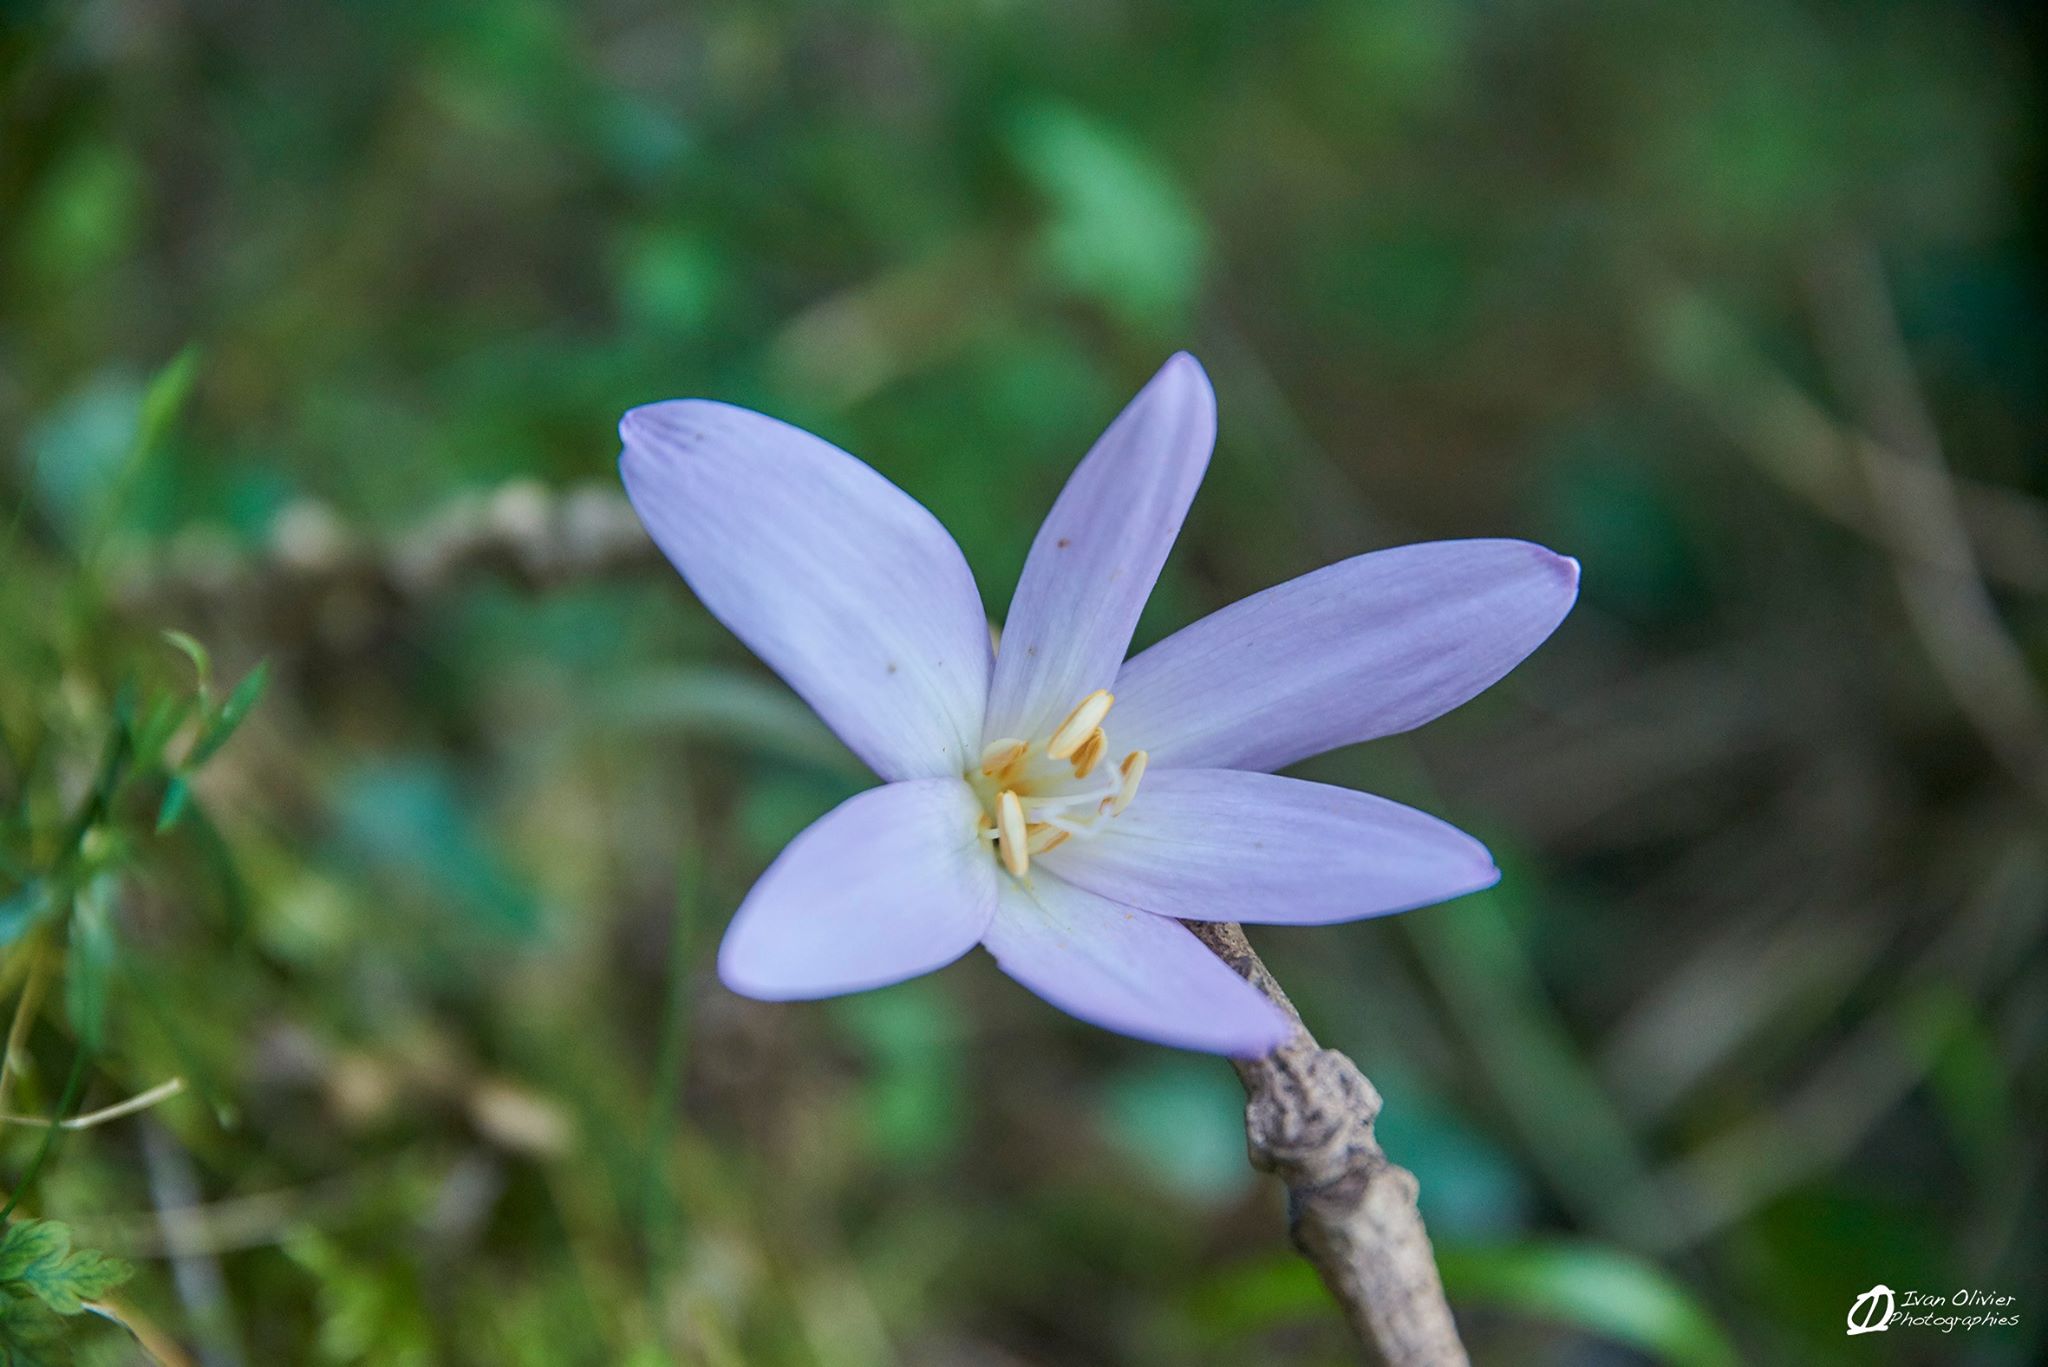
(315, 321)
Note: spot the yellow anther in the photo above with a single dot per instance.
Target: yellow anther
(1133, 769)
(1010, 827)
(1090, 753)
(1043, 836)
(1080, 723)
(999, 755)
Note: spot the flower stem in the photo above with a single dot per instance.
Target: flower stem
(1308, 1118)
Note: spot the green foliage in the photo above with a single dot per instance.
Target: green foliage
(1609, 1293)
(386, 866)
(1120, 230)
(37, 1259)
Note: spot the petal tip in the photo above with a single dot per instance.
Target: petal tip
(738, 980)
(1183, 372)
(643, 421)
(1566, 568)
(1260, 1039)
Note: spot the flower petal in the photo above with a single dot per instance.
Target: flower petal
(1368, 647)
(1225, 845)
(891, 883)
(1099, 553)
(1128, 970)
(848, 588)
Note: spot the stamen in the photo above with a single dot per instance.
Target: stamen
(1090, 753)
(1086, 716)
(1045, 836)
(999, 755)
(1010, 823)
(1133, 769)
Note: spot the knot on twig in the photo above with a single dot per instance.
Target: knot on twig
(1309, 1119)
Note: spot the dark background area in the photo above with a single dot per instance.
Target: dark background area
(315, 321)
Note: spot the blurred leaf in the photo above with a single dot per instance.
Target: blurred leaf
(23, 909)
(1600, 1290)
(370, 1312)
(158, 406)
(77, 452)
(167, 712)
(1258, 1294)
(90, 958)
(671, 280)
(1181, 1122)
(1966, 1072)
(780, 803)
(37, 1257)
(1121, 228)
(913, 1094)
(165, 398)
(231, 714)
(724, 706)
(85, 216)
(407, 816)
(177, 797)
(189, 646)
(1471, 1185)
(219, 861)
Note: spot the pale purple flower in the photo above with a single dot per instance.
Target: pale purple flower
(1048, 799)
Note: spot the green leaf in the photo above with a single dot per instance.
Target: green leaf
(165, 399)
(231, 713)
(92, 954)
(162, 400)
(22, 909)
(165, 714)
(202, 661)
(1121, 228)
(220, 862)
(36, 1256)
(726, 707)
(177, 800)
(1600, 1290)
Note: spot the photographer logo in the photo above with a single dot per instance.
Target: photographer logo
(1872, 1313)
(1881, 1308)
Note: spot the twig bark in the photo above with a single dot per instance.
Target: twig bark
(1308, 1119)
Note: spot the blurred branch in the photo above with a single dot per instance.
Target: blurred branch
(1309, 1120)
(1829, 464)
(1578, 1137)
(1853, 1088)
(521, 530)
(195, 1270)
(163, 1091)
(1915, 498)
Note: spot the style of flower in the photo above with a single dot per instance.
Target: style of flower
(1044, 797)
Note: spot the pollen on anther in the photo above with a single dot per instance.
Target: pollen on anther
(1132, 769)
(999, 755)
(1090, 753)
(1010, 827)
(1080, 724)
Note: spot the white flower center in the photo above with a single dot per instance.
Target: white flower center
(1036, 794)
